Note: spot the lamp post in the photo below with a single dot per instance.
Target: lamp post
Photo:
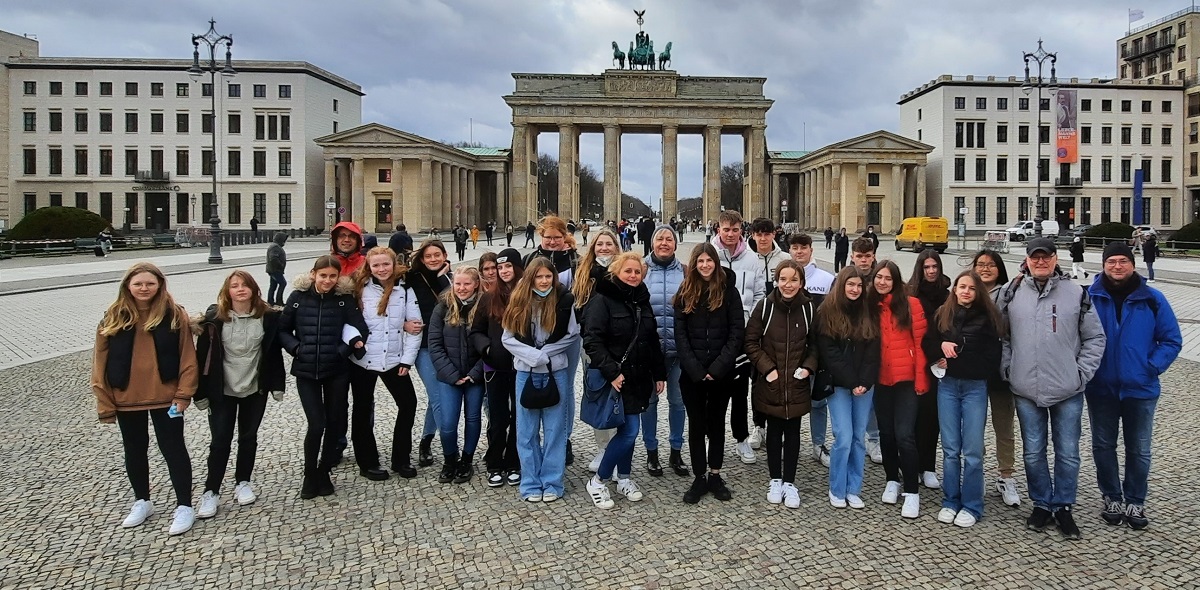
(212, 39)
(1041, 56)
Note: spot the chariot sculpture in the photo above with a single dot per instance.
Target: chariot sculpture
(641, 54)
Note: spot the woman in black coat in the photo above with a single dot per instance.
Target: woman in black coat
(621, 339)
(499, 375)
(709, 329)
(428, 277)
(930, 285)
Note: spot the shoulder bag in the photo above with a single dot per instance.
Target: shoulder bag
(603, 407)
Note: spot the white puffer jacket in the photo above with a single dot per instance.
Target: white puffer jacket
(388, 345)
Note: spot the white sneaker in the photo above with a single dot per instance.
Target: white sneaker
(775, 491)
(930, 480)
(629, 489)
(874, 452)
(1007, 487)
(185, 517)
(533, 498)
(820, 454)
(854, 502)
(599, 494)
(142, 509)
(244, 493)
(745, 452)
(208, 505)
(836, 502)
(756, 437)
(964, 519)
(912, 506)
(791, 496)
(946, 515)
(891, 492)
(551, 497)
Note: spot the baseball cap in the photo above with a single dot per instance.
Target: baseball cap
(1040, 245)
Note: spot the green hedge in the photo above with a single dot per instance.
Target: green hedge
(58, 223)
(1187, 233)
(1112, 229)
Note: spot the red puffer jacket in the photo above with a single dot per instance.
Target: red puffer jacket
(902, 358)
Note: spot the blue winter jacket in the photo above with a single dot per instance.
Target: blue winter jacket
(663, 283)
(1139, 348)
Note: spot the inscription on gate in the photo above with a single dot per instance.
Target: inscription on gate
(639, 86)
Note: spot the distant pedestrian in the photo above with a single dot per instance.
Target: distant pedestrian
(254, 225)
(1149, 255)
(871, 235)
(401, 243)
(460, 242)
(828, 238)
(474, 236)
(1077, 247)
(508, 234)
(529, 229)
(105, 240)
(276, 264)
(488, 230)
(841, 249)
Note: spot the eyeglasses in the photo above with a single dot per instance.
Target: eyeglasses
(985, 266)
(1042, 258)
(1118, 261)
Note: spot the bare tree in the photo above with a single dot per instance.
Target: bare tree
(731, 186)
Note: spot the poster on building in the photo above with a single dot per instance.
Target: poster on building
(1068, 124)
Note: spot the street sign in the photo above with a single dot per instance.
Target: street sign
(783, 208)
(963, 210)
(330, 205)
(784, 203)
(341, 210)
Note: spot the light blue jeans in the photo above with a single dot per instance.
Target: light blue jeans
(962, 415)
(676, 413)
(542, 437)
(573, 355)
(818, 420)
(619, 452)
(872, 427)
(1060, 424)
(433, 387)
(454, 400)
(848, 413)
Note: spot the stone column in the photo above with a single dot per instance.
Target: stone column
(921, 197)
(344, 199)
(398, 207)
(776, 197)
(712, 173)
(670, 172)
(836, 196)
(473, 214)
(463, 198)
(501, 195)
(357, 192)
(568, 181)
(895, 200)
(612, 172)
(455, 196)
(821, 202)
(755, 200)
(860, 202)
(330, 188)
(445, 196)
(520, 181)
(810, 199)
(435, 198)
(425, 207)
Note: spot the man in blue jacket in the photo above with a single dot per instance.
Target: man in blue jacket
(1143, 340)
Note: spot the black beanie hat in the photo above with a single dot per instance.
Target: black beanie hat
(510, 255)
(1117, 249)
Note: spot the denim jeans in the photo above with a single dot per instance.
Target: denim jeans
(848, 413)
(1064, 422)
(278, 285)
(962, 415)
(872, 427)
(433, 387)
(1136, 418)
(619, 453)
(542, 437)
(466, 399)
(818, 420)
(676, 413)
(574, 353)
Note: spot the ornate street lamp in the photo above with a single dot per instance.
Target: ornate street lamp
(1041, 56)
(212, 39)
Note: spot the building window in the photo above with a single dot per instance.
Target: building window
(918, 135)
(81, 161)
(56, 161)
(206, 123)
(1022, 169)
(131, 89)
(156, 89)
(1166, 105)
(235, 123)
(335, 126)
(235, 162)
(29, 160)
(1001, 104)
(1165, 176)
(285, 163)
(1146, 171)
(285, 208)
(1166, 136)
(335, 109)
(1044, 169)
(181, 123)
(1126, 171)
(1044, 134)
(106, 206)
(1001, 169)
(106, 162)
(182, 203)
(959, 203)
(1126, 203)
(1085, 134)
(980, 210)
(106, 89)
(156, 162)
(30, 120)
(272, 127)
(260, 163)
(1002, 211)
(980, 103)
(30, 88)
(56, 89)
(260, 91)
(260, 127)
(260, 207)
(81, 122)
(1022, 208)
(1085, 169)
(81, 200)
(1043, 209)
(285, 91)
(105, 122)
(872, 177)
(1022, 133)
(1085, 105)
(1044, 104)
(1127, 105)
(285, 127)
(131, 122)
(30, 203)
(1022, 104)
(206, 203)
(960, 169)
(1126, 135)
(960, 103)
(1147, 106)
(206, 164)
(969, 134)
(235, 91)
(156, 122)
(1165, 215)
(206, 89)
(1106, 105)
(55, 121)
(81, 89)
(181, 162)
(56, 199)
(235, 208)
(1085, 215)
(131, 162)
(980, 169)
(1105, 209)
(1106, 135)
(181, 89)
(1002, 133)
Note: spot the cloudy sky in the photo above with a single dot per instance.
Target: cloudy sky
(835, 68)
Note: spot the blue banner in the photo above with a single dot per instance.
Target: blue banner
(1137, 197)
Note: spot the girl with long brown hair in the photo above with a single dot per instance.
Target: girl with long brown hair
(429, 277)
(593, 267)
(930, 285)
(460, 371)
(240, 359)
(144, 369)
(499, 376)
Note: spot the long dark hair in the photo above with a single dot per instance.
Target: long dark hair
(899, 300)
(946, 313)
(1001, 270)
(918, 276)
(497, 297)
(694, 284)
(840, 318)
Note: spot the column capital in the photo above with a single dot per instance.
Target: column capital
(357, 158)
(671, 126)
(425, 158)
(566, 126)
(615, 126)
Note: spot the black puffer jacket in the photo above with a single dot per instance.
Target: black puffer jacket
(608, 328)
(977, 340)
(427, 286)
(851, 363)
(486, 333)
(310, 328)
(932, 296)
(450, 347)
(210, 354)
(708, 341)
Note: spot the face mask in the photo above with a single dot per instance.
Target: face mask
(545, 293)
(604, 260)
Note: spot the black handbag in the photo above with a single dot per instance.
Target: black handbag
(822, 386)
(536, 397)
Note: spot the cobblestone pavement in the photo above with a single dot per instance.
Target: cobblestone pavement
(65, 494)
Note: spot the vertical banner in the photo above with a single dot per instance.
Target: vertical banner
(1137, 198)
(1068, 119)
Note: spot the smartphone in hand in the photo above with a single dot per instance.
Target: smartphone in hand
(174, 412)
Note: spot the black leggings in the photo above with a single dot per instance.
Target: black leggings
(928, 427)
(896, 413)
(135, 437)
(362, 417)
(705, 403)
(246, 413)
(324, 402)
(783, 447)
(500, 388)
(738, 398)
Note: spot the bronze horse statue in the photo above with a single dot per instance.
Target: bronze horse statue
(664, 58)
(618, 55)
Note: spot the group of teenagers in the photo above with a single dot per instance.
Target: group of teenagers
(892, 365)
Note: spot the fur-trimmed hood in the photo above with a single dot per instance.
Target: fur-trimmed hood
(304, 282)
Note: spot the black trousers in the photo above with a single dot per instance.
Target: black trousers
(839, 261)
(362, 416)
(461, 250)
(227, 413)
(705, 403)
(646, 247)
(739, 398)
(324, 402)
(783, 447)
(501, 388)
(896, 412)
(135, 438)
(928, 427)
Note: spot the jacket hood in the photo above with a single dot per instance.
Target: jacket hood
(737, 252)
(350, 225)
(776, 297)
(624, 293)
(280, 238)
(304, 282)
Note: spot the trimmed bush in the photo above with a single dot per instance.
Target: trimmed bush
(1187, 233)
(50, 223)
(1112, 229)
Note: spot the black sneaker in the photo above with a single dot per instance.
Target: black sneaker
(570, 453)
(717, 486)
(425, 452)
(495, 479)
(697, 491)
(464, 472)
(1066, 523)
(653, 467)
(1039, 520)
(448, 470)
(1135, 515)
(1114, 512)
(407, 471)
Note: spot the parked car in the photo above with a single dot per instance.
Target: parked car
(1081, 229)
(1145, 230)
(1023, 230)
